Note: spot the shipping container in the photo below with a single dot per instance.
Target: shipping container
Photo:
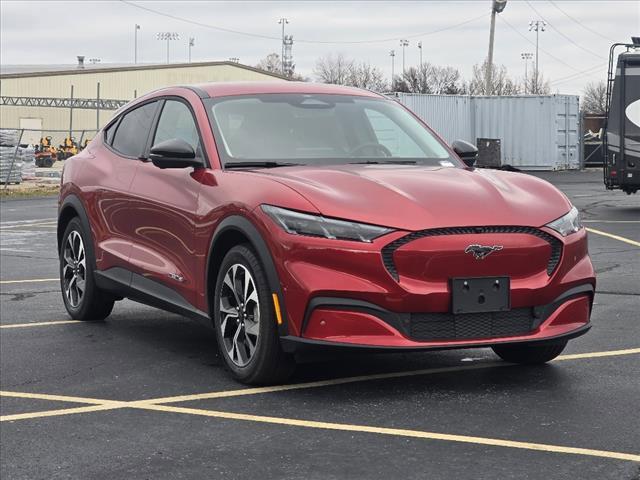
(537, 132)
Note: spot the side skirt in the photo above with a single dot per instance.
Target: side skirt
(124, 283)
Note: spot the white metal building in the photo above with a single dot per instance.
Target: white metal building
(20, 88)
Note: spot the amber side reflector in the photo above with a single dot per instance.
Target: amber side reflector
(276, 305)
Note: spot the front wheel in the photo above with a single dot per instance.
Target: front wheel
(530, 353)
(245, 322)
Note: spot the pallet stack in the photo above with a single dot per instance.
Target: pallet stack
(10, 169)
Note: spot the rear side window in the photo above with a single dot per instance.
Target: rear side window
(130, 138)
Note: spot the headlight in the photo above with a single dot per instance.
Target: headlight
(567, 224)
(298, 223)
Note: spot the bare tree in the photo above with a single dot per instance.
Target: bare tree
(333, 69)
(594, 98)
(536, 84)
(270, 63)
(501, 83)
(365, 75)
(428, 78)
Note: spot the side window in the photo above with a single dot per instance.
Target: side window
(389, 134)
(176, 121)
(131, 136)
(108, 133)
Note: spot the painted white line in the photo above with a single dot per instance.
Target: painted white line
(39, 324)
(30, 280)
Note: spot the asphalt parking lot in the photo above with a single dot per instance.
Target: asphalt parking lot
(145, 395)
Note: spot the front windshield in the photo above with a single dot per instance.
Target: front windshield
(309, 129)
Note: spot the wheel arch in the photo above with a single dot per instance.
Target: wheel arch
(72, 207)
(235, 230)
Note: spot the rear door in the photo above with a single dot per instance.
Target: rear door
(107, 180)
(162, 211)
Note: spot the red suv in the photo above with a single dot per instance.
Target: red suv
(302, 216)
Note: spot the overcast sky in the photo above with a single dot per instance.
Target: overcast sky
(576, 40)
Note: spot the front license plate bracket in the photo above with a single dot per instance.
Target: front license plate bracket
(480, 294)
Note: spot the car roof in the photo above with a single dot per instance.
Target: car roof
(223, 89)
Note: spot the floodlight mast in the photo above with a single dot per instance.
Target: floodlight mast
(168, 37)
(497, 6)
(537, 26)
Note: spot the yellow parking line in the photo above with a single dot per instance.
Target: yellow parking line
(611, 353)
(61, 411)
(156, 402)
(496, 442)
(30, 280)
(43, 224)
(615, 237)
(39, 324)
(364, 378)
(320, 383)
(58, 398)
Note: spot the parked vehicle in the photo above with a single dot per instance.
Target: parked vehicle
(622, 136)
(299, 216)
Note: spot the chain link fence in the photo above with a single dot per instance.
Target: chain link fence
(23, 152)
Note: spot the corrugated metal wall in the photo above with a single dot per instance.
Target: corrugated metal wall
(536, 132)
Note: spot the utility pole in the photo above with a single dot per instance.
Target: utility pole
(420, 48)
(283, 21)
(537, 26)
(167, 36)
(403, 44)
(192, 42)
(497, 6)
(392, 54)
(135, 43)
(526, 56)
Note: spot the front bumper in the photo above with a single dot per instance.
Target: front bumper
(344, 292)
(344, 323)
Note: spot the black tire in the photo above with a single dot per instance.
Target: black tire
(530, 353)
(94, 304)
(268, 364)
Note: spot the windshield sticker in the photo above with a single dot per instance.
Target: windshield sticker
(446, 163)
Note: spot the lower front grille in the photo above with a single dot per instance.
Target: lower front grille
(467, 326)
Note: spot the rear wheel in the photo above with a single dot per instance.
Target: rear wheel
(529, 353)
(82, 298)
(245, 323)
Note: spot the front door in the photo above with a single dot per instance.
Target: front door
(162, 211)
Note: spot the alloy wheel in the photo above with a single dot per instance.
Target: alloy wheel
(74, 271)
(239, 314)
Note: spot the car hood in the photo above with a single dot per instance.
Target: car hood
(414, 197)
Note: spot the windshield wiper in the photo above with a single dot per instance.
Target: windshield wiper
(230, 165)
(374, 162)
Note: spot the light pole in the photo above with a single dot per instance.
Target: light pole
(392, 54)
(135, 43)
(403, 44)
(497, 6)
(526, 56)
(420, 48)
(537, 26)
(192, 42)
(283, 21)
(167, 36)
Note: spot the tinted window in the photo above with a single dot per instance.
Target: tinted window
(176, 121)
(133, 130)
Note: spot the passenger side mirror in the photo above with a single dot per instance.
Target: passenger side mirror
(174, 153)
(466, 151)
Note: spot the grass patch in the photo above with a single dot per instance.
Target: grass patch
(20, 191)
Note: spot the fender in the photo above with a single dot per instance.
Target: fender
(72, 201)
(244, 226)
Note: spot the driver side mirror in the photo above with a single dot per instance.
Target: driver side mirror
(466, 151)
(174, 153)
